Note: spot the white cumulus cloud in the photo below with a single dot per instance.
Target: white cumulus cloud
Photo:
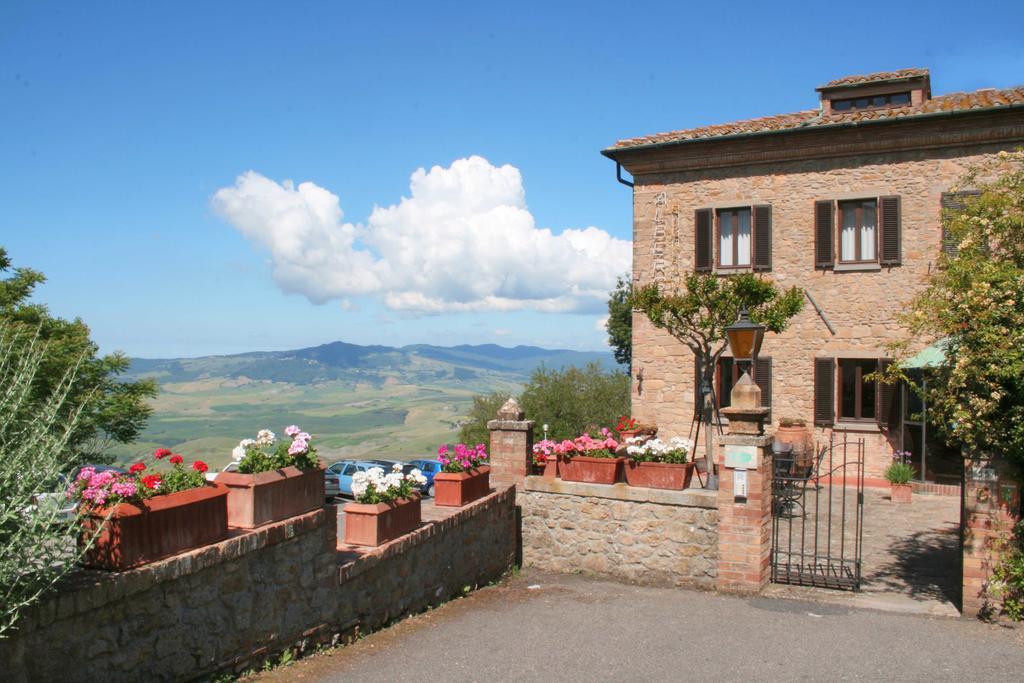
(464, 240)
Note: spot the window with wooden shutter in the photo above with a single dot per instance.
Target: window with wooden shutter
(824, 229)
(763, 379)
(762, 237)
(824, 391)
(889, 412)
(952, 201)
(703, 246)
(890, 239)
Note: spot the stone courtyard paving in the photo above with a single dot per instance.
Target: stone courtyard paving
(543, 627)
(911, 560)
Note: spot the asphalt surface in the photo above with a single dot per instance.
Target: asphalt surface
(543, 627)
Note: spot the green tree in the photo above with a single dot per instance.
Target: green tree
(698, 311)
(116, 412)
(35, 548)
(485, 407)
(574, 400)
(620, 321)
(974, 301)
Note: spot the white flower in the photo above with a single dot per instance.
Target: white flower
(397, 467)
(265, 437)
(245, 443)
(238, 452)
(393, 480)
(358, 490)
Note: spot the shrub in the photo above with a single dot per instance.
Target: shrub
(899, 471)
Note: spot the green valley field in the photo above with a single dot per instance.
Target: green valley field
(355, 401)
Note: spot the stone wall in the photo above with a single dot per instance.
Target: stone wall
(231, 605)
(639, 535)
(862, 306)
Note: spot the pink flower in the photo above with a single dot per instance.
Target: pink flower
(86, 473)
(292, 430)
(298, 447)
(303, 436)
(125, 489)
(442, 450)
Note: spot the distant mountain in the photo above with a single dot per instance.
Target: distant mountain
(368, 364)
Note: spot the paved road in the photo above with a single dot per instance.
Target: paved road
(578, 629)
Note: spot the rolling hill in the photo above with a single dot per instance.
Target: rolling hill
(372, 401)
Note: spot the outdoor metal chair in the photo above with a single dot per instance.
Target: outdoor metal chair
(791, 476)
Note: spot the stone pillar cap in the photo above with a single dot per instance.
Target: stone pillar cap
(511, 411)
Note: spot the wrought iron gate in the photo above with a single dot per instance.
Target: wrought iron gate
(818, 515)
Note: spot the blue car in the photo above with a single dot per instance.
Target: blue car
(338, 477)
(429, 468)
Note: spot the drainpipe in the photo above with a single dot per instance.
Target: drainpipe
(618, 175)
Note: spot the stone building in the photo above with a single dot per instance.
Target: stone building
(843, 200)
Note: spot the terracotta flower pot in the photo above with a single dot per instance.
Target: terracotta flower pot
(799, 436)
(265, 497)
(590, 470)
(457, 489)
(659, 475)
(551, 467)
(901, 493)
(374, 525)
(159, 527)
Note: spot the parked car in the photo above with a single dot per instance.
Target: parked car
(429, 468)
(230, 467)
(339, 475)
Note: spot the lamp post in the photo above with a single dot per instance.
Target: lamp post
(745, 337)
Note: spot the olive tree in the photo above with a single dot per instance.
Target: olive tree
(697, 311)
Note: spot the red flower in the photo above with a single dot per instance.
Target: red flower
(161, 453)
(136, 468)
(200, 466)
(177, 459)
(151, 481)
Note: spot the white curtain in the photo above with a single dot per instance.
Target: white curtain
(867, 234)
(725, 243)
(743, 238)
(848, 246)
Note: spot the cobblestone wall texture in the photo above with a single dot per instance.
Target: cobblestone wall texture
(229, 606)
(862, 306)
(641, 542)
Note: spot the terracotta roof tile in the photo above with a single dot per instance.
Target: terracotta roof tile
(982, 99)
(874, 78)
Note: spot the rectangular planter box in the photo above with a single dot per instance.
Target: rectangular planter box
(156, 528)
(373, 525)
(265, 497)
(590, 470)
(456, 490)
(659, 475)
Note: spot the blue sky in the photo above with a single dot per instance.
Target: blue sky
(121, 122)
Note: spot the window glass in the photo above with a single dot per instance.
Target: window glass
(349, 470)
(734, 239)
(867, 232)
(842, 105)
(743, 238)
(848, 242)
(857, 236)
(856, 395)
(726, 245)
(900, 98)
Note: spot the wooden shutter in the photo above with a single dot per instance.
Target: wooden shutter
(952, 201)
(762, 238)
(824, 391)
(889, 221)
(703, 244)
(824, 231)
(763, 379)
(888, 411)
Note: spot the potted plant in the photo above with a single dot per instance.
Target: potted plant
(136, 517)
(590, 460)
(545, 457)
(630, 428)
(659, 464)
(386, 505)
(794, 431)
(464, 476)
(275, 479)
(899, 473)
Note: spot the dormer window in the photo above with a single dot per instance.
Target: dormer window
(899, 99)
(874, 92)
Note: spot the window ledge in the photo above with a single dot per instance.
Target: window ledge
(857, 267)
(866, 427)
(730, 270)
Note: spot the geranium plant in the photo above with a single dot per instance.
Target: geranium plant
(109, 487)
(266, 453)
(461, 458)
(544, 451)
(626, 424)
(674, 451)
(603, 447)
(899, 471)
(374, 486)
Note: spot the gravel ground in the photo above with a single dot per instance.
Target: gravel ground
(542, 627)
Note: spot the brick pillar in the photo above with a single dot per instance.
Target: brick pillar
(744, 524)
(991, 509)
(511, 445)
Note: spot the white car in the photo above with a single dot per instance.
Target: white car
(230, 467)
